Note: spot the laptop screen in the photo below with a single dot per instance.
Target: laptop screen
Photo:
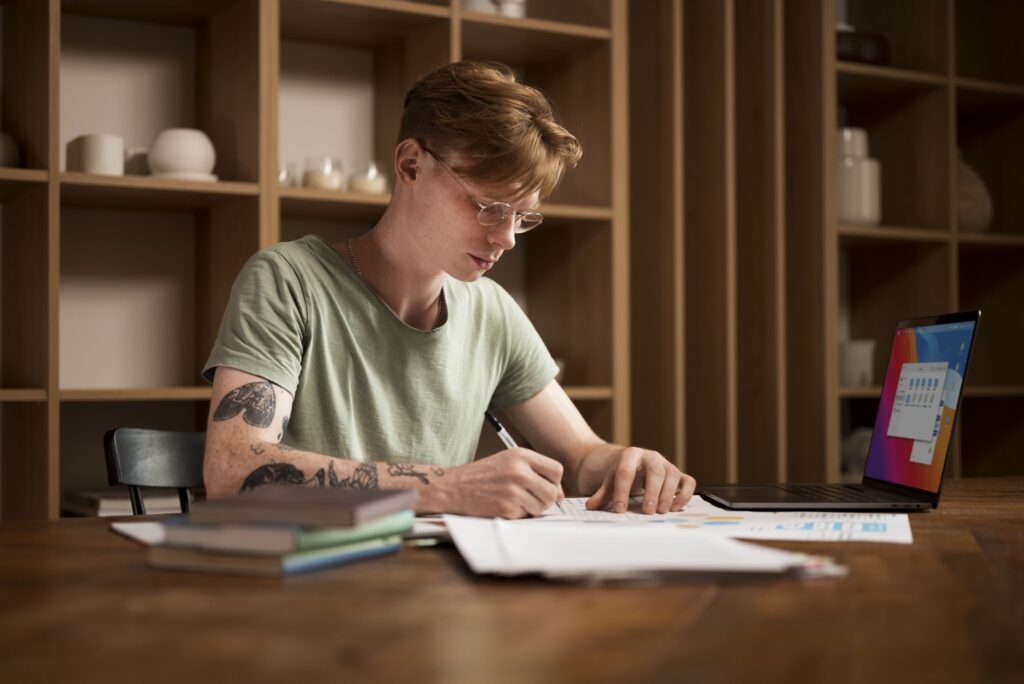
(920, 397)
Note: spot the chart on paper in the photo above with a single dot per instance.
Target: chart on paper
(788, 525)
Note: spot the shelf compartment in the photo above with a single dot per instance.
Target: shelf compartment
(866, 83)
(528, 40)
(332, 205)
(142, 293)
(578, 393)
(990, 141)
(352, 63)
(83, 424)
(26, 79)
(909, 128)
(992, 436)
(24, 446)
(988, 45)
(564, 280)
(196, 66)
(992, 279)
(891, 282)
(984, 104)
(25, 287)
(574, 74)
(917, 30)
(148, 192)
(856, 413)
(15, 181)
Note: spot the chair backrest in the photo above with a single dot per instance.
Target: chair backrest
(155, 458)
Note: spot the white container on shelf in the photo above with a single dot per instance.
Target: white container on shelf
(99, 153)
(324, 173)
(182, 153)
(859, 179)
(512, 8)
(368, 179)
(856, 363)
(482, 6)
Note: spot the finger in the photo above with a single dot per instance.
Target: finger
(625, 474)
(539, 495)
(600, 498)
(687, 485)
(548, 468)
(669, 489)
(654, 477)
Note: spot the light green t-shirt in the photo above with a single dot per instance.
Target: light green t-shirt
(367, 386)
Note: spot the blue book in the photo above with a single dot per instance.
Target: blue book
(182, 558)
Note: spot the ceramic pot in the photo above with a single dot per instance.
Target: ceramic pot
(182, 151)
(973, 200)
(482, 6)
(9, 155)
(512, 8)
(368, 179)
(324, 173)
(856, 363)
(859, 178)
(98, 153)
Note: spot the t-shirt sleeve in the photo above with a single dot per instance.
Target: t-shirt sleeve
(528, 364)
(264, 322)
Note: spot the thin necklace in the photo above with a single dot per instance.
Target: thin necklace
(442, 309)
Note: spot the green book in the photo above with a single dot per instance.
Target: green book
(273, 539)
(272, 565)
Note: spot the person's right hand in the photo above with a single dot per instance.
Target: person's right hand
(514, 483)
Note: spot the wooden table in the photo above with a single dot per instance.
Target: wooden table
(77, 603)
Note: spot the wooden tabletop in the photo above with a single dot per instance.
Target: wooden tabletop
(77, 603)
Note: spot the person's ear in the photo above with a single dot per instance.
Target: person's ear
(408, 161)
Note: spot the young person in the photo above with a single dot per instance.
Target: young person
(370, 363)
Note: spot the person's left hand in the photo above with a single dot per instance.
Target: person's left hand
(665, 487)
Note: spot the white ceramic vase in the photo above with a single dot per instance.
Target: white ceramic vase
(183, 153)
(973, 200)
(859, 179)
(99, 153)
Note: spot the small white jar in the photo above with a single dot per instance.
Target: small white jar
(859, 179)
(181, 152)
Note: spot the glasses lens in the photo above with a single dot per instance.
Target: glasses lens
(493, 214)
(529, 221)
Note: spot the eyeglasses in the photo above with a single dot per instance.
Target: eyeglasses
(495, 213)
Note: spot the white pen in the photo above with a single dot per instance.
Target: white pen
(510, 443)
(503, 434)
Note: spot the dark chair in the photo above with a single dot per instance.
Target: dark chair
(155, 458)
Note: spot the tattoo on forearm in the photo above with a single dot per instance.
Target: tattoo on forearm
(256, 449)
(407, 470)
(437, 471)
(284, 428)
(254, 401)
(363, 477)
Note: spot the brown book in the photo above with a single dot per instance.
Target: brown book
(314, 507)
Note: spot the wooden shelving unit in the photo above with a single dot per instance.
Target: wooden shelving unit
(739, 258)
(576, 268)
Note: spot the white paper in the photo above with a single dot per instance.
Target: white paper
(575, 549)
(146, 532)
(700, 515)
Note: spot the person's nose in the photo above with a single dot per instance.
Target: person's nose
(504, 234)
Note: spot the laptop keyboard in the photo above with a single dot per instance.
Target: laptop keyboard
(837, 493)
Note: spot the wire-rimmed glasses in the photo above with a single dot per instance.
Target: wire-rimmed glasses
(495, 213)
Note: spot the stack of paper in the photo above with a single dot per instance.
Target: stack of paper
(586, 551)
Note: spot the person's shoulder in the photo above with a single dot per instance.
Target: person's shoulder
(292, 257)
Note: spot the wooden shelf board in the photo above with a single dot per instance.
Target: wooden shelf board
(994, 391)
(870, 392)
(314, 203)
(363, 24)
(22, 395)
(560, 28)
(991, 239)
(850, 233)
(996, 87)
(527, 42)
(575, 211)
(137, 394)
(583, 393)
(857, 83)
(148, 192)
(16, 181)
(988, 102)
(183, 12)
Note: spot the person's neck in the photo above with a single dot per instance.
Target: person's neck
(409, 288)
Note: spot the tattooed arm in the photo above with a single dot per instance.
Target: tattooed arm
(248, 419)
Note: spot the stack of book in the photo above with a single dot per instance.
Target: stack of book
(285, 530)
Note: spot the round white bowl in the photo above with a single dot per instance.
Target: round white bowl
(181, 150)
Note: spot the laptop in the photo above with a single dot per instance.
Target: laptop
(913, 431)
